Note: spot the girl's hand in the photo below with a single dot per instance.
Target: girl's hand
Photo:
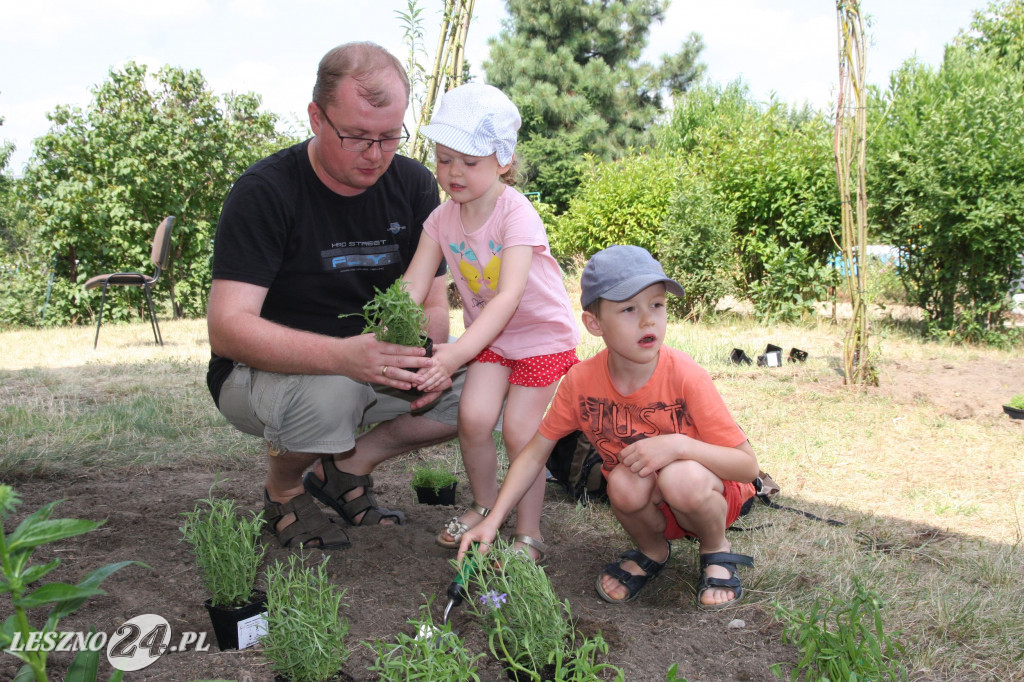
(481, 533)
(438, 375)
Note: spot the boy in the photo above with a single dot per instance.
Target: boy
(674, 458)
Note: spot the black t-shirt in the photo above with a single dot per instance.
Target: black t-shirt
(319, 254)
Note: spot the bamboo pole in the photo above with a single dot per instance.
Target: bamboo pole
(449, 60)
(850, 149)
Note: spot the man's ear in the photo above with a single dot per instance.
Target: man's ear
(592, 323)
(315, 122)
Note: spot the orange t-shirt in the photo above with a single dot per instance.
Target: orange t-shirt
(680, 397)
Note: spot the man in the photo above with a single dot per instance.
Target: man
(304, 238)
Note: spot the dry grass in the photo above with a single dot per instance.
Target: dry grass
(932, 504)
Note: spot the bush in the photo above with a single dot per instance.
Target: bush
(696, 248)
(622, 202)
(948, 189)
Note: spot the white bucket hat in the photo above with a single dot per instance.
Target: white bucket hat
(475, 119)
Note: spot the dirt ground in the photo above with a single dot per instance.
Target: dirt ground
(389, 572)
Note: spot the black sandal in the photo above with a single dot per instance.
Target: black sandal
(310, 527)
(632, 583)
(336, 484)
(727, 560)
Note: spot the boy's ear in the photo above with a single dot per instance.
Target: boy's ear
(592, 323)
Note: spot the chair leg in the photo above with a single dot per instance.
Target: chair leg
(99, 319)
(152, 317)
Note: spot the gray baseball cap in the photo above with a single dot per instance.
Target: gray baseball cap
(621, 272)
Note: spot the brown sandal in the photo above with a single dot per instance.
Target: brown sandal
(336, 484)
(311, 528)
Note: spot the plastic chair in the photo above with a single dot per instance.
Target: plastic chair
(161, 256)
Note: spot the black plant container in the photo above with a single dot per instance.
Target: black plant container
(445, 495)
(226, 619)
(428, 345)
(1013, 412)
(738, 357)
(797, 355)
(772, 357)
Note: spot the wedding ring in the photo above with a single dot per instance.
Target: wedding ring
(384, 371)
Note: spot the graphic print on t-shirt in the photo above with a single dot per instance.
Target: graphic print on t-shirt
(614, 425)
(360, 256)
(470, 270)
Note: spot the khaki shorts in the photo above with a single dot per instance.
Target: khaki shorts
(320, 414)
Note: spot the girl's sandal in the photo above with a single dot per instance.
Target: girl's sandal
(456, 528)
(528, 542)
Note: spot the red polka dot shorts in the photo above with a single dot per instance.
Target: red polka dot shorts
(539, 370)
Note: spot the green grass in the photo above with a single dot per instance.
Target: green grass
(933, 504)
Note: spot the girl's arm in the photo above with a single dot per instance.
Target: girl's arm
(515, 270)
(523, 471)
(420, 275)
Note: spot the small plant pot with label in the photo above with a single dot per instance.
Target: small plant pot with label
(239, 627)
(229, 553)
(772, 357)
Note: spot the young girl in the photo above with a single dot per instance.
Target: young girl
(521, 333)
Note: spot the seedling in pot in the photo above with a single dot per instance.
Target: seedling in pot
(305, 638)
(227, 549)
(393, 317)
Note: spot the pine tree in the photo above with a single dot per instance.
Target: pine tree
(573, 68)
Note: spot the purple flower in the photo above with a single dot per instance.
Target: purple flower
(493, 599)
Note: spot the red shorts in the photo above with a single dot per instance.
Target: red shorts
(736, 495)
(539, 370)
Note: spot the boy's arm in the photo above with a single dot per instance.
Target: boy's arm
(521, 474)
(648, 456)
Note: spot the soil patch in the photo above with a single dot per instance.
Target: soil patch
(389, 572)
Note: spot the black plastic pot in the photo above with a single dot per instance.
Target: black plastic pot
(772, 357)
(445, 495)
(428, 345)
(546, 673)
(797, 355)
(1013, 412)
(738, 357)
(249, 619)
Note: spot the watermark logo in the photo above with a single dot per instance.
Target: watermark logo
(136, 644)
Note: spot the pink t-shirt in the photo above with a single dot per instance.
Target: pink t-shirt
(544, 322)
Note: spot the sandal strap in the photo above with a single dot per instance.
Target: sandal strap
(337, 483)
(479, 508)
(648, 565)
(310, 524)
(542, 549)
(726, 559)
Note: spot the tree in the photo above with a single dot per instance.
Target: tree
(997, 31)
(149, 145)
(572, 67)
(773, 176)
(948, 187)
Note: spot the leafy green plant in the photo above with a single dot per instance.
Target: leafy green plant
(393, 317)
(1017, 401)
(673, 672)
(853, 647)
(227, 549)
(433, 476)
(623, 202)
(18, 575)
(527, 626)
(433, 653)
(305, 638)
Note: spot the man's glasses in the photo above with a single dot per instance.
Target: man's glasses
(363, 144)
